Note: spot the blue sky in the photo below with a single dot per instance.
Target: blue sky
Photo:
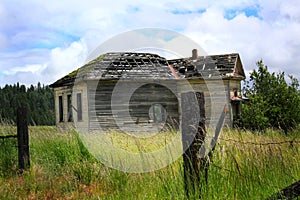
(42, 41)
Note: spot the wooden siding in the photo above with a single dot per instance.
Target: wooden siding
(216, 95)
(81, 87)
(63, 124)
(97, 97)
(131, 111)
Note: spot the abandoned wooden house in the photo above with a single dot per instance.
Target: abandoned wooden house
(141, 91)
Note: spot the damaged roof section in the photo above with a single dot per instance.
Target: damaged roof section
(128, 65)
(212, 66)
(120, 65)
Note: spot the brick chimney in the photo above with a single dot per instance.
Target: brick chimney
(194, 54)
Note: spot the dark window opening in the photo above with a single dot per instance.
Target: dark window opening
(61, 109)
(236, 111)
(69, 101)
(235, 93)
(79, 107)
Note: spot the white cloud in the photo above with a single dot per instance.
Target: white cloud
(27, 68)
(64, 60)
(252, 37)
(55, 64)
(52, 38)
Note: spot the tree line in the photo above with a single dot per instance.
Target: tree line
(38, 99)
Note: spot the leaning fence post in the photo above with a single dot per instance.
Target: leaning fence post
(193, 135)
(23, 139)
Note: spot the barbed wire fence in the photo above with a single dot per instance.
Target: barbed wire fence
(290, 192)
(291, 142)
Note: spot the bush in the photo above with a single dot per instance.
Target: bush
(274, 103)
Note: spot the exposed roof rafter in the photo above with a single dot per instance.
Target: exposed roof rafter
(128, 65)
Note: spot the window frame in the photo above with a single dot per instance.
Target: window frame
(79, 106)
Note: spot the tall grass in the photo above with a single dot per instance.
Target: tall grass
(244, 166)
(8, 149)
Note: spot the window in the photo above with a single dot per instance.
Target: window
(61, 109)
(69, 102)
(235, 93)
(157, 113)
(79, 107)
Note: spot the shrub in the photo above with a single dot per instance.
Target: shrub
(274, 102)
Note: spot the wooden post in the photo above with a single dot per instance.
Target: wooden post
(193, 135)
(23, 139)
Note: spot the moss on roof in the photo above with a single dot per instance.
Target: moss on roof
(99, 58)
(111, 66)
(70, 78)
(72, 74)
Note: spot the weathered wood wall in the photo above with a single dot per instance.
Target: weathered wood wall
(63, 92)
(80, 87)
(99, 115)
(216, 95)
(132, 112)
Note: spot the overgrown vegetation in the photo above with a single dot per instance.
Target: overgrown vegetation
(244, 166)
(38, 99)
(274, 102)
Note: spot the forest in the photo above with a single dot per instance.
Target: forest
(38, 99)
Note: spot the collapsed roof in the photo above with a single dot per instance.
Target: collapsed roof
(224, 66)
(130, 65)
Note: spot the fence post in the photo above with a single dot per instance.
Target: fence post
(23, 139)
(193, 120)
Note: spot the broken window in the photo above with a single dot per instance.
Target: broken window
(79, 107)
(69, 103)
(61, 109)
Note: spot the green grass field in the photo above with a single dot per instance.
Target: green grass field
(244, 166)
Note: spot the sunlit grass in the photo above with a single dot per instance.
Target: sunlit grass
(140, 142)
(244, 165)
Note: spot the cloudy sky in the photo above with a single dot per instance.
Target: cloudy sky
(44, 40)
